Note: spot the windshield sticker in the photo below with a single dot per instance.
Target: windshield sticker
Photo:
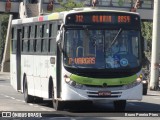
(124, 62)
(113, 62)
(87, 60)
(116, 61)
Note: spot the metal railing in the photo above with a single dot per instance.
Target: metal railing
(146, 4)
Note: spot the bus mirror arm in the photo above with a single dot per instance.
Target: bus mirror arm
(59, 38)
(60, 46)
(59, 41)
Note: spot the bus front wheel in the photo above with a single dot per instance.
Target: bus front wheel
(27, 98)
(119, 105)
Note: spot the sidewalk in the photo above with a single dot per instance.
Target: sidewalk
(5, 75)
(151, 92)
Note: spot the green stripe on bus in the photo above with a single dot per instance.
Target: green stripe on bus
(101, 81)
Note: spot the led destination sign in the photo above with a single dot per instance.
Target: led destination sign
(101, 18)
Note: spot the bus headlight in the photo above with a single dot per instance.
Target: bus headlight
(72, 83)
(139, 79)
(135, 83)
(131, 85)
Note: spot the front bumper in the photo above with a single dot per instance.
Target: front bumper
(91, 93)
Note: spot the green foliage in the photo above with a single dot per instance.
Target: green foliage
(147, 30)
(147, 34)
(69, 5)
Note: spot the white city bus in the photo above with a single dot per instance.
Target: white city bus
(76, 56)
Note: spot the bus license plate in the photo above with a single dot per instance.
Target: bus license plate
(104, 93)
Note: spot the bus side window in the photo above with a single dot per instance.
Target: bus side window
(38, 38)
(45, 30)
(52, 37)
(38, 45)
(35, 39)
(25, 39)
(14, 40)
(31, 37)
(22, 39)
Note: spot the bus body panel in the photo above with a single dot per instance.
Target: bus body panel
(13, 71)
(38, 74)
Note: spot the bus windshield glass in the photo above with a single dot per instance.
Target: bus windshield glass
(102, 48)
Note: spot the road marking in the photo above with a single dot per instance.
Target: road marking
(13, 98)
(30, 104)
(24, 102)
(6, 95)
(35, 106)
(19, 100)
(133, 104)
(43, 109)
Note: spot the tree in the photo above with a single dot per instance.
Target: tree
(69, 5)
(147, 34)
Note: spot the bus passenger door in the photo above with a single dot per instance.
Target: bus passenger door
(18, 58)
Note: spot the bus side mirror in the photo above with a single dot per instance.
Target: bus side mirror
(144, 44)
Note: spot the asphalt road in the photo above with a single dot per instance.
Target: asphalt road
(12, 101)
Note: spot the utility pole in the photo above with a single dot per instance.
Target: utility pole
(5, 67)
(1, 44)
(40, 7)
(155, 58)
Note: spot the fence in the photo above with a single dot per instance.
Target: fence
(145, 4)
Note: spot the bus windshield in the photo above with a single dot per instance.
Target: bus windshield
(102, 49)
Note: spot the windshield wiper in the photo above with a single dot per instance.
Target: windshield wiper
(115, 38)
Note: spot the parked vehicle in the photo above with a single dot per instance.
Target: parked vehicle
(145, 81)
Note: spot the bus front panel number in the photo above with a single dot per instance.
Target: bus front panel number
(79, 18)
(104, 93)
(124, 19)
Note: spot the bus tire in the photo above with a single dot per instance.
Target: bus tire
(58, 105)
(119, 105)
(27, 98)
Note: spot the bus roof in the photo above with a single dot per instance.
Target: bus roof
(89, 9)
(60, 15)
(53, 16)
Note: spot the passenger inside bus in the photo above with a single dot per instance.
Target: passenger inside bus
(121, 55)
(119, 47)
